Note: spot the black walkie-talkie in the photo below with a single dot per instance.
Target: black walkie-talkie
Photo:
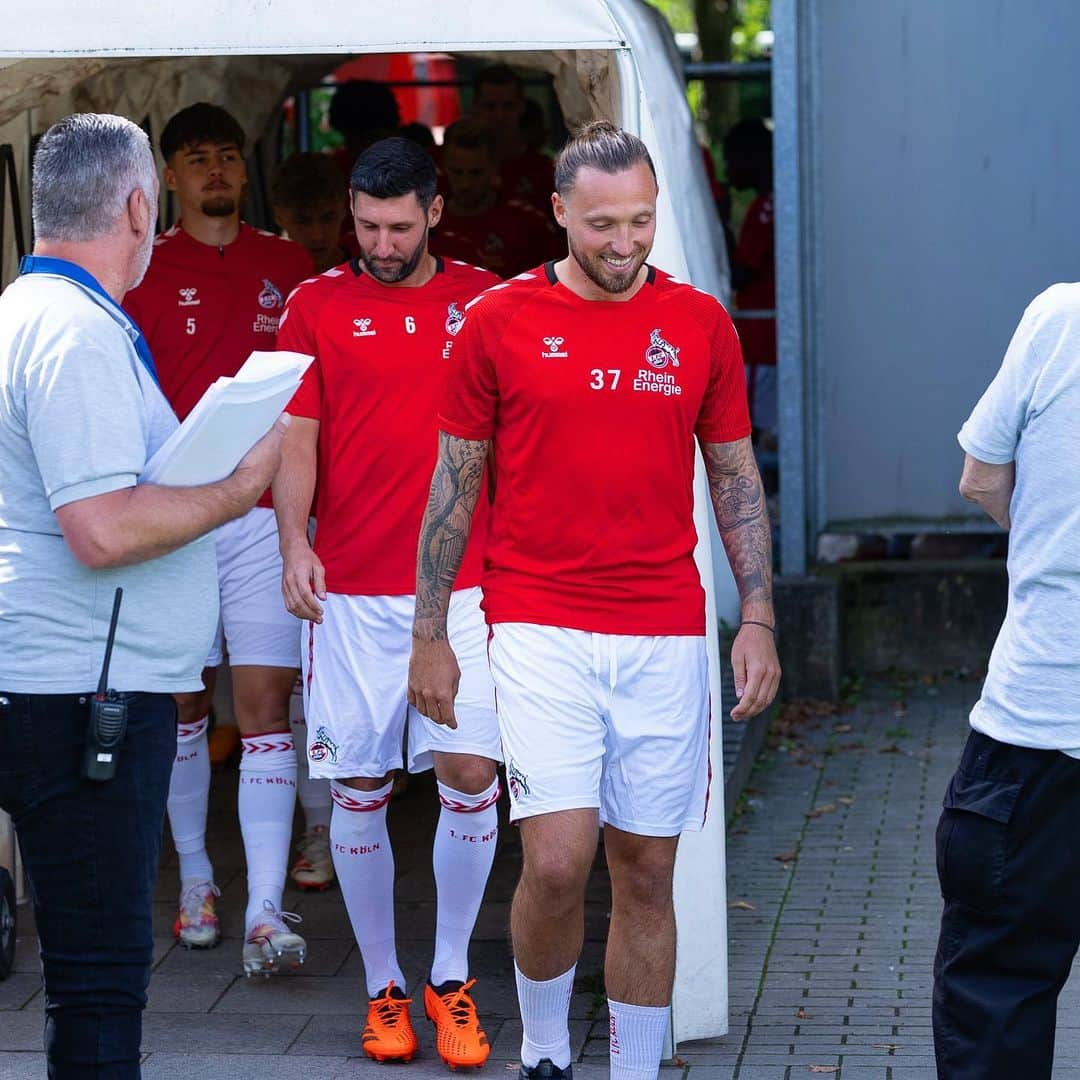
(108, 715)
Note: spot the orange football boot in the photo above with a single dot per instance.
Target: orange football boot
(388, 1034)
(459, 1038)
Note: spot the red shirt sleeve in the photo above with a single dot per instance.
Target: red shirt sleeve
(724, 415)
(295, 334)
(471, 396)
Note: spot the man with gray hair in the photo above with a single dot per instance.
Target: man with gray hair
(81, 412)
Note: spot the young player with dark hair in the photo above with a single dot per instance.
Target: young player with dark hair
(214, 293)
(381, 328)
(591, 378)
(308, 197)
(478, 224)
(525, 173)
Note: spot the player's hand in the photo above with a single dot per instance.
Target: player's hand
(434, 677)
(303, 581)
(757, 670)
(258, 466)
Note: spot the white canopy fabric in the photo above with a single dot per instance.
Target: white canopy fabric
(610, 58)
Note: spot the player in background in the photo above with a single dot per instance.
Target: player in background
(478, 225)
(308, 197)
(214, 293)
(381, 328)
(748, 157)
(591, 378)
(525, 173)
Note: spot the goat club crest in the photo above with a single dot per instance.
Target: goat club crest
(660, 353)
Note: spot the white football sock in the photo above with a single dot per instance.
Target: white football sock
(465, 840)
(364, 864)
(545, 1018)
(314, 795)
(266, 804)
(636, 1039)
(189, 795)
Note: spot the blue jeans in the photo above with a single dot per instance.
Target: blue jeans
(91, 855)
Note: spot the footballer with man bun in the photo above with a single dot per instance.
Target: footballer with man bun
(591, 379)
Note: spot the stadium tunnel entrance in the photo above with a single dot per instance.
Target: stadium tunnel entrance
(588, 59)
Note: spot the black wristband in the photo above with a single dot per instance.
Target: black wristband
(754, 622)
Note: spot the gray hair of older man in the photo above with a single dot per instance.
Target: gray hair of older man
(85, 168)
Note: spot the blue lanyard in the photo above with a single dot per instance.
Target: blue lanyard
(61, 268)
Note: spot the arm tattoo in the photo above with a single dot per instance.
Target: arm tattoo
(444, 532)
(742, 517)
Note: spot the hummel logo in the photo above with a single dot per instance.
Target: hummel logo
(554, 348)
(187, 298)
(362, 328)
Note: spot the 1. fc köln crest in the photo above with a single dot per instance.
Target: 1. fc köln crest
(660, 353)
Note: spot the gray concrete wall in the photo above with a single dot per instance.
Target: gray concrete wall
(950, 165)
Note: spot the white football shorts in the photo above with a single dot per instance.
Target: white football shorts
(254, 623)
(611, 721)
(355, 671)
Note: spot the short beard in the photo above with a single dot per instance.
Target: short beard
(392, 277)
(600, 276)
(219, 206)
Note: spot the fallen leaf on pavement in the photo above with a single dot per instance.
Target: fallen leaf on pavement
(824, 808)
(802, 1014)
(786, 856)
(741, 905)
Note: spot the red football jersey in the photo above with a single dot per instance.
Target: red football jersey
(756, 251)
(204, 309)
(593, 407)
(505, 239)
(380, 366)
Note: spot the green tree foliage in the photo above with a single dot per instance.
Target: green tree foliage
(726, 30)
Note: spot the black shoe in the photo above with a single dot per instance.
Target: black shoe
(545, 1071)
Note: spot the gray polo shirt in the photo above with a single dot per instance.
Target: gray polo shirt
(1029, 415)
(80, 416)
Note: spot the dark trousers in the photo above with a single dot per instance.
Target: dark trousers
(1008, 857)
(91, 854)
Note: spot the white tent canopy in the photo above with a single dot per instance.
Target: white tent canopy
(611, 58)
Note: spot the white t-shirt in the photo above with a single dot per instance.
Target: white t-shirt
(79, 417)
(1030, 414)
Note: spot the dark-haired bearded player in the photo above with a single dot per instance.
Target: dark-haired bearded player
(381, 329)
(591, 377)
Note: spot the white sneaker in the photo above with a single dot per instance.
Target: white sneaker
(196, 925)
(314, 867)
(270, 946)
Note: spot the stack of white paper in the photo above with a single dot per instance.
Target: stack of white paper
(228, 420)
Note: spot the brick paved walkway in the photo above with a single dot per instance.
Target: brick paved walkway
(833, 924)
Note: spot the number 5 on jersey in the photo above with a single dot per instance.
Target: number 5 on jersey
(604, 379)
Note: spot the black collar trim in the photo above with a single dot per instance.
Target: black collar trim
(553, 278)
